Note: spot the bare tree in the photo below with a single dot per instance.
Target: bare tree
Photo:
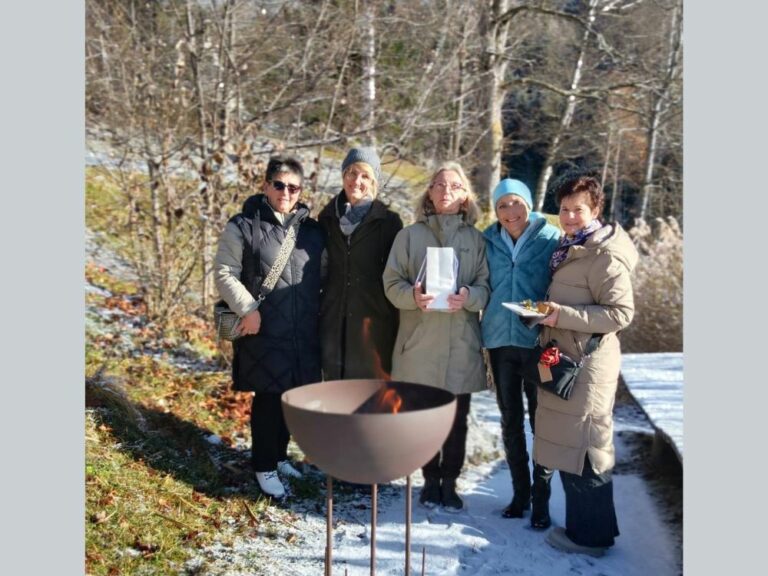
(568, 111)
(494, 29)
(196, 95)
(661, 101)
(369, 68)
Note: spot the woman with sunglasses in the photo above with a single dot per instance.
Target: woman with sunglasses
(441, 347)
(278, 348)
(358, 324)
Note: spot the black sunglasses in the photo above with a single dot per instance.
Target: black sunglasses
(280, 186)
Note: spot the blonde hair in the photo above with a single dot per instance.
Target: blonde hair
(469, 208)
(365, 167)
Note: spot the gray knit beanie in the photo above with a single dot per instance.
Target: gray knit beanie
(367, 155)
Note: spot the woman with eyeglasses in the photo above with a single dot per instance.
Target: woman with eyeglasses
(358, 324)
(441, 347)
(278, 348)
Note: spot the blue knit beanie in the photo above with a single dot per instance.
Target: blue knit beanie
(510, 186)
(367, 155)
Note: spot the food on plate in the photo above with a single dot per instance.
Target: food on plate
(543, 308)
(539, 307)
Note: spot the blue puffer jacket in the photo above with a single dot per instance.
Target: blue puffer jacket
(528, 278)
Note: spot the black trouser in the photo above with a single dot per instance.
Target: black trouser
(269, 434)
(507, 365)
(590, 516)
(448, 462)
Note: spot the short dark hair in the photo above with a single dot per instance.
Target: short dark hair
(577, 182)
(279, 164)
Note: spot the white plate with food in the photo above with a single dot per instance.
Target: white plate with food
(524, 309)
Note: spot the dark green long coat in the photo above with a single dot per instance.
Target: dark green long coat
(358, 325)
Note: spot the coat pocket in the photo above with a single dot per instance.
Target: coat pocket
(471, 335)
(413, 340)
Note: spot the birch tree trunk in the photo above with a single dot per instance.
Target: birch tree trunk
(334, 101)
(461, 90)
(206, 234)
(225, 71)
(493, 67)
(567, 117)
(661, 103)
(369, 69)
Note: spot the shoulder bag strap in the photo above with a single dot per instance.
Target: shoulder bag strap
(279, 264)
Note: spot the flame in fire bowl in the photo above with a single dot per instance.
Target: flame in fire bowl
(369, 431)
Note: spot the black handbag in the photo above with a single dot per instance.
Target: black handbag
(554, 371)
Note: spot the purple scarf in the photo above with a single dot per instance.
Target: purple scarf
(565, 243)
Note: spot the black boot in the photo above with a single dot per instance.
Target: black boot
(521, 487)
(516, 508)
(430, 493)
(451, 500)
(517, 460)
(540, 519)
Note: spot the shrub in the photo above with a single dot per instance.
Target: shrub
(657, 282)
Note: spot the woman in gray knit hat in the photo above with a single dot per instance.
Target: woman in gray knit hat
(358, 325)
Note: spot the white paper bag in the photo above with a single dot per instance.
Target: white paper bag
(442, 269)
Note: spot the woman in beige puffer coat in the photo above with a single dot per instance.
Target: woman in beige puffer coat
(591, 293)
(441, 348)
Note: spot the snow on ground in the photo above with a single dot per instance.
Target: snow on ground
(476, 541)
(656, 382)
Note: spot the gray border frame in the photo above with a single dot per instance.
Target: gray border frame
(725, 209)
(42, 478)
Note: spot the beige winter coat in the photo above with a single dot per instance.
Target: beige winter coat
(593, 287)
(438, 348)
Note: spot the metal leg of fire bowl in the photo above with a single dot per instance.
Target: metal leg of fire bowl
(374, 506)
(408, 526)
(328, 524)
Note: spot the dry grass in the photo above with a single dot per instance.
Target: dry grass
(657, 282)
(156, 489)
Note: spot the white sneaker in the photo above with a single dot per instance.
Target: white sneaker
(270, 484)
(286, 469)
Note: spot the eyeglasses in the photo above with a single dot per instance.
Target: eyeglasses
(280, 186)
(454, 186)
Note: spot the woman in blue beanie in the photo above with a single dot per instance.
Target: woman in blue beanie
(519, 246)
(358, 325)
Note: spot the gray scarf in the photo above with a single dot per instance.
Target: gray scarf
(353, 215)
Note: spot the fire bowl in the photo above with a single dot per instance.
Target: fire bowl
(369, 431)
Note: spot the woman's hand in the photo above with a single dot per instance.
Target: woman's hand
(422, 300)
(551, 319)
(250, 323)
(456, 301)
